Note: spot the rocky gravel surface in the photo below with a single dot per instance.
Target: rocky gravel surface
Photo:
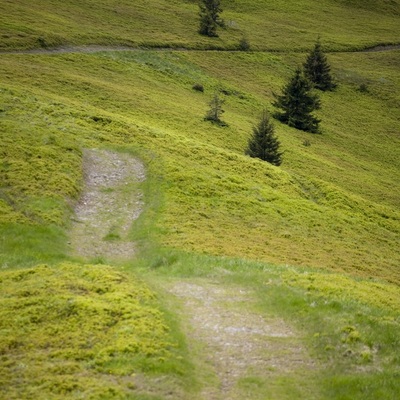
(109, 204)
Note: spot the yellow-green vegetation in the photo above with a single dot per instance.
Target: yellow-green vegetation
(351, 325)
(281, 25)
(333, 204)
(353, 328)
(80, 330)
(334, 285)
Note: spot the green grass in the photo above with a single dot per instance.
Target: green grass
(279, 26)
(350, 325)
(317, 238)
(218, 200)
(28, 245)
(82, 331)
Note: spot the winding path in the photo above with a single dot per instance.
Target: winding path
(236, 343)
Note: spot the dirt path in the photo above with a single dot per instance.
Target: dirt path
(239, 345)
(109, 204)
(236, 344)
(97, 48)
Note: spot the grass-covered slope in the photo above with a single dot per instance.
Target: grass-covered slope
(278, 25)
(333, 204)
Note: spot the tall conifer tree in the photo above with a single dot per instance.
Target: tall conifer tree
(263, 143)
(317, 69)
(210, 19)
(297, 103)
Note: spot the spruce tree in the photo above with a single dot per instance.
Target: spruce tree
(263, 143)
(317, 69)
(210, 11)
(298, 102)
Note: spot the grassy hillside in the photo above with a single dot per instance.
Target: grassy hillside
(280, 25)
(339, 193)
(316, 238)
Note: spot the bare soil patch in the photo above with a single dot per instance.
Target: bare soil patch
(384, 47)
(236, 342)
(110, 202)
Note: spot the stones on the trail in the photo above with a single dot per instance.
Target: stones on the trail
(106, 210)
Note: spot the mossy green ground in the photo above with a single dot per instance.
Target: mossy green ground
(80, 330)
(333, 205)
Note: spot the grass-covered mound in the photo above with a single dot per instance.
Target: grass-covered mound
(79, 331)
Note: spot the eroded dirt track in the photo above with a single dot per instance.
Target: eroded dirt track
(110, 202)
(239, 344)
(236, 343)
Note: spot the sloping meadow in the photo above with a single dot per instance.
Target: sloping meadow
(332, 204)
(317, 238)
(280, 25)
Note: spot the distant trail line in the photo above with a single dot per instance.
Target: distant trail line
(98, 49)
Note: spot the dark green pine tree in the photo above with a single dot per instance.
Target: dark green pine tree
(210, 19)
(297, 103)
(318, 70)
(263, 143)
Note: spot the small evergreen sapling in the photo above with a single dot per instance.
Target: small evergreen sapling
(215, 111)
(317, 69)
(263, 143)
(244, 44)
(297, 103)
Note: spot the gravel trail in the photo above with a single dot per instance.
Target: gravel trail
(110, 202)
(239, 344)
